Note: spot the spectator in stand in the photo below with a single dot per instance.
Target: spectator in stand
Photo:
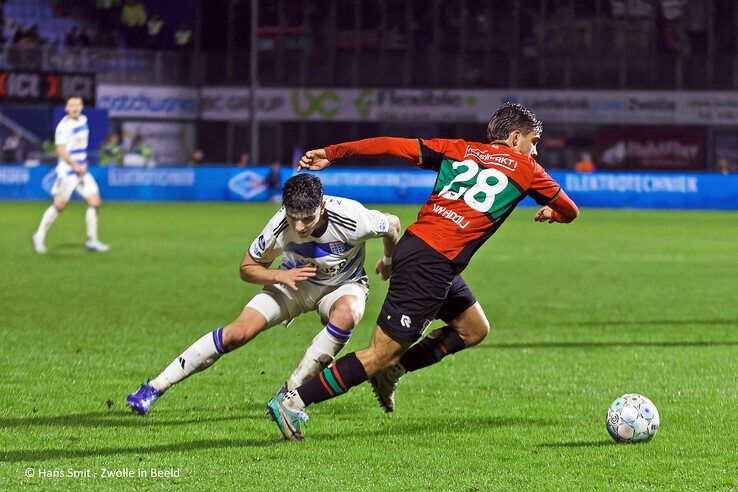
(29, 37)
(71, 40)
(14, 149)
(724, 166)
(196, 158)
(154, 28)
(585, 164)
(107, 4)
(183, 37)
(674, 32)
(142, 149)
(244, 160)
(86, 36)
(17, 33)
(273, 182)
(134, 14)
(108, 10)
(110, 152)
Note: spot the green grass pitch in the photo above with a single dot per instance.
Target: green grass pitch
(617, 302)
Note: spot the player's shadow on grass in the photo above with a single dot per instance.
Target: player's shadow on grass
(657, 322)
(623, 344)
(578, 444)
(439, 426)
(119, 418)
(36, 455)
(68, 248)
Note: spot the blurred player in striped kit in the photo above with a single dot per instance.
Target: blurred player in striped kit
(72, 135)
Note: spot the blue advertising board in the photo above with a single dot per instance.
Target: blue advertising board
(407, 185)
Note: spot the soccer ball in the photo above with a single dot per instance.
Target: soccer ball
(632, 418)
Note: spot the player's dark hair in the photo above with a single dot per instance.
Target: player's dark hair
(75, 96)
(302, 193)
(510, 117)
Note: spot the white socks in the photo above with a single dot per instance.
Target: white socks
(324, 347)
(293, 401)
(46, 220)
(91, 221)
(204, 352)
(52, 213)
(200, 355)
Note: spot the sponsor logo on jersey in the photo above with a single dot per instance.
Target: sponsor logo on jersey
(261, 243)
(405, 321)
(485, 157)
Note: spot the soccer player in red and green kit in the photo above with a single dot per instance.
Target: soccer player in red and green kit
(477, 188)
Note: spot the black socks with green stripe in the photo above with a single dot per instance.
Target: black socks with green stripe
(348, 372)
(334, 380)
(431, 350)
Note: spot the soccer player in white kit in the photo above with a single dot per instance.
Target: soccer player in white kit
(321, 240)
(72, 134)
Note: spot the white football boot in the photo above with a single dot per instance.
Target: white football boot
(38, 244)
(95, 245)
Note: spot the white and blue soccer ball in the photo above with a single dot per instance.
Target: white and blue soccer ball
(632, 418)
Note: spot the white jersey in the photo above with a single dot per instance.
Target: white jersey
(338, 254)
(73, 134)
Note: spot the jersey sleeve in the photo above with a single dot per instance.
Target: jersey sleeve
(404, 148)
(433, 151)
(368, 223)
(63, 133)
(543, 188)
(371, 224)
(427, 154)
(265, 248)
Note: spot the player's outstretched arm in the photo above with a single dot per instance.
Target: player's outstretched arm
(253, 272)
(404, 148)
(561, 209)
(384, 264)
(314, 160)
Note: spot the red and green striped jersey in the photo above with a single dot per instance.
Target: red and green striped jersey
(477, 188)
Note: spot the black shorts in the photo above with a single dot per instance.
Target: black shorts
(422, 288)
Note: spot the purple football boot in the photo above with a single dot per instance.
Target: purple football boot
(141, 400)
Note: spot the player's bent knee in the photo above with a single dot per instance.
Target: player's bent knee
(472, 325)
(479, 333)
(346, 314)
(60, 205)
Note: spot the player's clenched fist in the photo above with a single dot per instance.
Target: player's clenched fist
(545, 214)
(383, 270)
(314, 160)
(289, 278)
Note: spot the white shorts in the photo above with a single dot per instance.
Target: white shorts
(281, 304)
(66, 184)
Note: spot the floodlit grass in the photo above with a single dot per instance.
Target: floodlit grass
(617, 302)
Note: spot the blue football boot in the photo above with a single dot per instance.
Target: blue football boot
(141, 400)
(287, 420)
